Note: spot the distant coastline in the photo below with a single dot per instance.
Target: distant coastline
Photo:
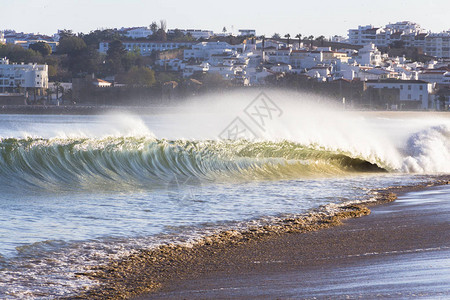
(78, 109)
(147, 109)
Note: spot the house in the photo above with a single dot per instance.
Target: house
(414, 94)
(369, 55)
(433, 75)
(195, 33)
(101, 83)
(247, 32)
(136, 32)
(204, 50)
(146, 48)
(190, 70)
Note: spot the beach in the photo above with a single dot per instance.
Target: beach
(121, 206)
(400, 250)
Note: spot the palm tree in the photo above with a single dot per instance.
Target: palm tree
(57, 84)
(276, 36)
(311, 39)
(320, 39)
(288, 36)
(263, 44)
(299, 36)
(49, 95)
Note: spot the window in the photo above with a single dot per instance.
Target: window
(409, 96)
(421, 87)
(401, 87)
(420, 97)
(409, 87)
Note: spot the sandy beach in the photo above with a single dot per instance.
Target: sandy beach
(395, 248)
(401, 250)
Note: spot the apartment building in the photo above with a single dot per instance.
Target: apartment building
(406, 27)
(205, 50)
(146, 48)
(438, 44)
(367, 35)
(15, 76)
(409, 33)
(195, 33)
(137, 32)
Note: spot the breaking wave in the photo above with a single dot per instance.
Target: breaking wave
(151, 162)
(147, 161)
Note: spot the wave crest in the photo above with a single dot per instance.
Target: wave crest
(151, 162)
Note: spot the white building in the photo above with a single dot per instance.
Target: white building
(406, 27)
(195, 33)
(190, 70)
(247, 32)
(137, 32)
(411, 91)
(146, 48)
(338, 39)
(433, 75)
(411, 34)
(171, 64)
(205, 50)
(438, 44)
(2, 38)
(13, 76)
(366, 35)
(369, 55)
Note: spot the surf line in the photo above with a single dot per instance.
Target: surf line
(146, 270)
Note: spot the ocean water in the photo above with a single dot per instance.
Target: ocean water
(78, 191)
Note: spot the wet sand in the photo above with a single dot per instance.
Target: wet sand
(401, 250)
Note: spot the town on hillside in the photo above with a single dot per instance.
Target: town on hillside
(400, 66)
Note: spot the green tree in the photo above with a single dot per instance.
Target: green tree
(276, 36)
(65, 34)
(94, 38)
(179, 36)
(139, 76)
(77, 54)
(115, 57)
(154, 27)
(132, 58)
(160, 35)
(320, 39)
(72, 45)
(18, 54)
(42, 47)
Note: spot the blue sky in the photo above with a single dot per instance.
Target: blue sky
(325, 17)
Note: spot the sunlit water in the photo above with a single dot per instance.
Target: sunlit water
(79, 190)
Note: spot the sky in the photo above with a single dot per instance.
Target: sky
(325, 17)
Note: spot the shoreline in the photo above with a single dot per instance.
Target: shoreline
(150, 271)
(154, 109)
